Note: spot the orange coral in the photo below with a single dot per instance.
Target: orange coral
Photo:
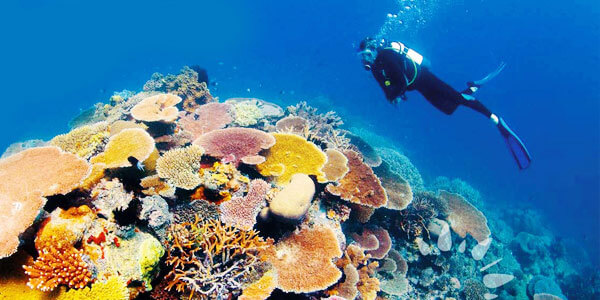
(24, 179)
(360, 185)
(132, 142)
(157, 108)
(66, 226)
(153, 185)
(465, 218)
(303, 260)
(58, 264)
(261, 289)
(366, 284)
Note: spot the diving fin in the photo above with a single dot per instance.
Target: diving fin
(515, 145)
(473, 86)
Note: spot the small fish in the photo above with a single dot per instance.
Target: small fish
(136, 163)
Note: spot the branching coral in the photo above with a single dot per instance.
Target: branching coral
(290, 155)
(58, 264)
(465, 218)
(156, 108)
(180, 167)
(236, 144)
(359, 185)
(322, 128)
(185, 84)
(303, 260)
(133, 142)
(85, 141)
(209, 259)
(206, 118)
(24, 179)
(414, 219)
(224, 177)
(241, 212)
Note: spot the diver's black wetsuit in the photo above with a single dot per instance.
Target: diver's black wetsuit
(395, 73)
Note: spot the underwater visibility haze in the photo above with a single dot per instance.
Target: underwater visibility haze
(239, 150)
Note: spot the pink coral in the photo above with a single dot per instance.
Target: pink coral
(241, 212)
(369, 235)
(207, 117)
(25, 178)
(236, 144)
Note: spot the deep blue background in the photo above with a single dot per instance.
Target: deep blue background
(58, 57)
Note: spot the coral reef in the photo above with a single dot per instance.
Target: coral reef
(465, 218)
(206, 118)
(157, 108)
(185, 84)
(114, 288)
(337, 165)
(293, 201)
(398, 191)
(85, 141)
(401, 165)
(241, 212)
(133, 142)
(180, 167)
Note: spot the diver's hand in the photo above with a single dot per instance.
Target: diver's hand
(403, 97)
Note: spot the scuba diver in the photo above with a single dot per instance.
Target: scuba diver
(398, 69)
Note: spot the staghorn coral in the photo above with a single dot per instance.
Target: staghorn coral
(303, 260)
(206, 118)
(290, 155)
(414, 219)
(209, 259)
(359, 185)
(113, 288)
(396, 188)
(133, 142)
(180, 167)
(236, 144)
(261, 289)
(336, 166)
(292, 203)
(157, 108)
(465, 218)
(25, 178)
(58, 264)
(85, 141)
(241, 212)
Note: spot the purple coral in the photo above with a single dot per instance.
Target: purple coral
(236, 144)
(241, 212)
(207, 117)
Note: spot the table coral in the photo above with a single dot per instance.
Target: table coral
(206, 118)
(180, 167)
(376, 241)
(236, 144)
(133, 142)
(113, 288)
(401, 165)
(336, 166)
(465, 218)
(303, 260)
(293, 124)
(58, 264)
(291, 155)
(25, 178)
(396, 188)
(209, 259)
(261, 289)
(359, 185)
(241, 212)
(156, 108)
(85, 141)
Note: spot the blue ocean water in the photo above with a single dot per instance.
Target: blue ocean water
(59, 57)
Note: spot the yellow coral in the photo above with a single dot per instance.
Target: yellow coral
(121, 125)
(262, 288)
(291, 155)
(180, 167)
(13, 282)
(114, 288)
(134, 142)
(84, 141)
(95, 176)
(66, 226)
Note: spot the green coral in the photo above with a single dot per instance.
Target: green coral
(247, 113)
(151, 252)
(114, 288)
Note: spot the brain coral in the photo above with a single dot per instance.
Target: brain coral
(236, 144)
(134, 142)
(290, 155)
(303, 260)
(157, 108)
(360, 185)
(292, 203)
(24, 179)
(85, 141)
(397, 189)
(180, 167)
(207, 117)
(465, 218)
(336, 166)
